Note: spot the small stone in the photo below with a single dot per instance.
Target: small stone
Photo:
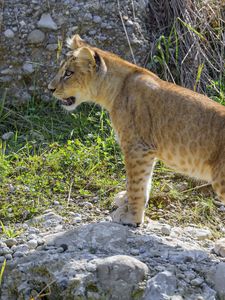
(2, 259)
(56, 202)
(8, 71)
(5, 79)
(87, 204)
(32, 244)
(11, 242)
(46, 21)
(36, 36)
(199, 233)
(33, 230)
(97, 19)
(52, 47)
(21, 248)
(221, 208)
(219, 247)
(2, 244)
(129, 23)
(11, 188)
(8, 135)
(77, 220)
(19, 254)
(166, 229)
(8, 256)
(40, 241)
(134, 252)
(32, 237)
(22, 23)
(197, 281)
(87, 17)
(28, 68)
(5, 250)
(91, 267)
(9, 34)
(60, 250)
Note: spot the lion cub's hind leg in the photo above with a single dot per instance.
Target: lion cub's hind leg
(139, 165)
(218, 181)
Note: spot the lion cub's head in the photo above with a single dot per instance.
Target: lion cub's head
(75, 81)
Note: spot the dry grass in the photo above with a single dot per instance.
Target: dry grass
(189, 41)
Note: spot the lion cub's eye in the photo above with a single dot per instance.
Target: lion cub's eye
(68, 74)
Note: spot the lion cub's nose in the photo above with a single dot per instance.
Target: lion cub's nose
(51, 88)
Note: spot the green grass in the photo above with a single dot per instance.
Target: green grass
(53, 155)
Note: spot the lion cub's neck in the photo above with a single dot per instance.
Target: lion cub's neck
(110, 84)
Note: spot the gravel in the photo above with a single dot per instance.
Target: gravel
(166, 262)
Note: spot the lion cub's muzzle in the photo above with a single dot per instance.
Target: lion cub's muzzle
(68, 101)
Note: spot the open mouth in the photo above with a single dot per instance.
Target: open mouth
(68, 101)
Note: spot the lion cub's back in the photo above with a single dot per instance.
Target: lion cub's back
(188, 128)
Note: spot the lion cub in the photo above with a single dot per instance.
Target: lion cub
(153, 119)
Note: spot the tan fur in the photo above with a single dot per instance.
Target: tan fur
(152, 118)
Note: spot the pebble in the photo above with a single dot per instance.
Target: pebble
(5, 250)
(8, 33)
(77, 220)
(36, 36)
(2, 259)
(28, 68)
(87, 204)
(22, 23)
(199, 233)
(129, 23)
(134, 252)
(197, 281)
(8, 135)
(221, 208)
(11, 242)
(21, 248)
(47, 22)
(8, 256)
(97, 19)
(8, 71)
(32, 244)
(219, 247)
(166, 229)
(52, 47)
(2, 244)
(19, 254)
(32, 230)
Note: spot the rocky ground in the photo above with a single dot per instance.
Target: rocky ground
(85, 256)
(33, 34)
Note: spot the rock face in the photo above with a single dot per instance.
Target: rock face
(110, 261)
(34, 32)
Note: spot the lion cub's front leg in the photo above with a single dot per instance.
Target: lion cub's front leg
(139, 166)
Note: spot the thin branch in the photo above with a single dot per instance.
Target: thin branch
(125, 30)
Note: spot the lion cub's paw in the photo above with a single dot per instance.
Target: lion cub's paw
(122, 215)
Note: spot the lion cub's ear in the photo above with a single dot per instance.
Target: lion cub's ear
(86, 58)
(75, 42)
